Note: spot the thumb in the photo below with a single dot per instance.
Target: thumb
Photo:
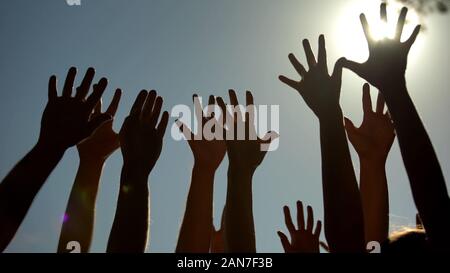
(97, 121)
(352, 66)
(349, 126)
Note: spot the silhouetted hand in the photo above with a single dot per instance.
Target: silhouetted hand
(245, 153)
(388, 58)
(140, 138)
(303, 239)
(68, 120)
(104, 141)
(320, 91)
(373, 140)
(208, 153)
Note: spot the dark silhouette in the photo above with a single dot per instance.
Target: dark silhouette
(66, 121)
(244, 157)
(141, 141)
(385, 69)
(195, 232)
(78, 222)
(344, 224)
(373, 141)
(304, 239)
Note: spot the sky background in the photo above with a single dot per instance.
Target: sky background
(179, 47)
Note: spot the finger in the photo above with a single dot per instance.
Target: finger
(112, 108)
(198, 108)
(94, 98)
(269, 137)
(380, 104)
(309, 54)
(136, 109)
(401, 23)
(353, 66)
(367, 101)
(68, 84)
(350, 128)
(322, 58)
(97, 122)
(310, 219)
(187, 133)
(226, 116)
(297, 65)
(211, 103)
(337, 71)
(98, 108)
(383, 13)
(284, 241)
(149, 105)
(85, 85)
(156, 111)
(413, 36)
(324, 246)
(235, 103)
(291, 83)
(366, 28)
(419, 224)
(161, 129)
(288, 220)
(318, 229)
(300, 216)
(52, 89)
(249, 98)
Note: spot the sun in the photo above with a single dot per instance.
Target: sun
(350, 37)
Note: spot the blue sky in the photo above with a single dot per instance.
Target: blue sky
(206, 47)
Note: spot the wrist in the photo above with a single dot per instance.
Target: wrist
(373, 163)
(241, 171)
(332, 115)
(49, 149)
(203, 169)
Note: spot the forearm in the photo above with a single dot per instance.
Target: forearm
(78, 221)
(130, 228)
(19, 188)
(344, 225)
(195, 232)
(375, 200)
(239, 225)
(421, 163)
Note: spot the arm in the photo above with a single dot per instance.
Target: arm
(344, 225)
(65, 122)
(386, 69)
(141, 144)
(195, 232)
(373, 141)
(245, 154)
(78, 224)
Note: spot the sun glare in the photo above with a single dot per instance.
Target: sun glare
(351, 39)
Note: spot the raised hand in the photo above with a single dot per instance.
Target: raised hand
(304, 239)
(245, 150)
(141, 138)
(68, 120)
(388, 57)
(104, 141)
(373, 139)
(93, 151)
(320, 91)
(208, 153)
